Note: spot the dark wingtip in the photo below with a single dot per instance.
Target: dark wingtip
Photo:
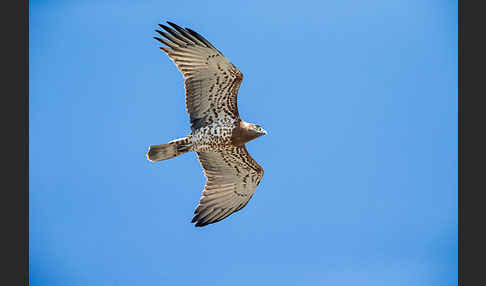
(170, 23)
(199, 37)
(179, 29)
(189, 30)
(165, 27)
(196, 220)
(160, 33)
(173, 25)
(199, 224)
(158, 39)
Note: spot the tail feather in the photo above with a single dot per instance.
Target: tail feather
(170, 150)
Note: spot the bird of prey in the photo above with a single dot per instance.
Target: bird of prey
(218, 134)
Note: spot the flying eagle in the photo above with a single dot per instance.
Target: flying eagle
(218, 134)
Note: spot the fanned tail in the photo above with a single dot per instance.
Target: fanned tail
(170, 150)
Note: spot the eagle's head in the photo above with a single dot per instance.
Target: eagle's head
(246, 132)
(255, 130)
(259, 130)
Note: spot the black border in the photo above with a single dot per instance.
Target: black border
(15, 148)
(471, 143)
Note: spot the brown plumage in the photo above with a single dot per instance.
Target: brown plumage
(218, 134)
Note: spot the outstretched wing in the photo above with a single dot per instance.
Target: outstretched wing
(211, 81)
(232, 177)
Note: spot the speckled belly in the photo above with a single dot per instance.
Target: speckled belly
(213, 137)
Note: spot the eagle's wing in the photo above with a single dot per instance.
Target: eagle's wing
(232, 177)
(211, 81)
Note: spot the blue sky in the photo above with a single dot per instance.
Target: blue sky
(360, 187)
